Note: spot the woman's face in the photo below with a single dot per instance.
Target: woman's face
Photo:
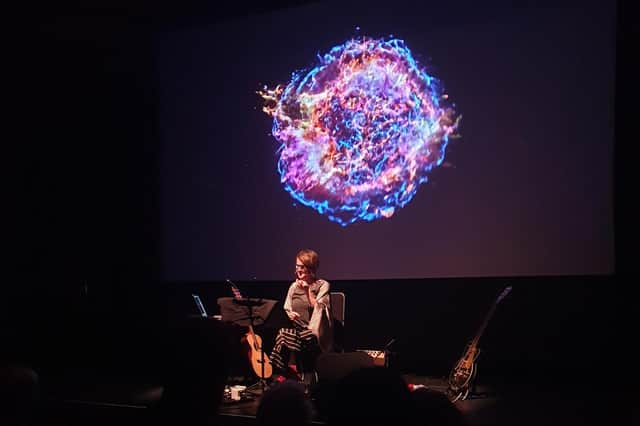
(302, 272)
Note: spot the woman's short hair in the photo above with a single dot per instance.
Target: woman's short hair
(309, 258)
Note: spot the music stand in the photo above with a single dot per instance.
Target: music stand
(248, 312)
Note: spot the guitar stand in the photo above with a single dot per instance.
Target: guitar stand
(261, 386)
(474, 394)
(262, 383)
(471, 392)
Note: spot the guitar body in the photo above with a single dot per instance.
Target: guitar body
(257, 358)
(463, 373)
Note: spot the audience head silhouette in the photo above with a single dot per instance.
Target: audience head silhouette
(284, 404)
(434, 408)
(19, 393)
(372, 395)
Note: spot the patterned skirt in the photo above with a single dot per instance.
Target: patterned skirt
(298, 339)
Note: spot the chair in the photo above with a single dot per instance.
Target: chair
(337, 303)
(337, 300)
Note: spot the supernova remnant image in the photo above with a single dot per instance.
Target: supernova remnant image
(360, 130)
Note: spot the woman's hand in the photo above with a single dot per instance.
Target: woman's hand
(293, 315)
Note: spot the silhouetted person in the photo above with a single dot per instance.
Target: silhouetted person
(284, 404)
(18, 394)
(434, 408)
(373, 395)
(196, 373)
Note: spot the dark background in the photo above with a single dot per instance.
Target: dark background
(83, 286)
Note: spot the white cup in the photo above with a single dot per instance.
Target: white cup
(235, 393)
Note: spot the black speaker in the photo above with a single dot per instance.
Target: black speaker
(334, 366)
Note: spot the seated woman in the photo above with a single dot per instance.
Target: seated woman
(308, 307)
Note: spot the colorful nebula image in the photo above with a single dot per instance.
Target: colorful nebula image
(361, 130)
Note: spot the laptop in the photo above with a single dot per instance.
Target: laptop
(201, 309)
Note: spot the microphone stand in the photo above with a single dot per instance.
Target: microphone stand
(387, 352)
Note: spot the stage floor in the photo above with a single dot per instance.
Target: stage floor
(244, 411)
(526, 404)
(523, 405)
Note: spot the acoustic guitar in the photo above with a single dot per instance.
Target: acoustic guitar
(260, 362)
(465, 370)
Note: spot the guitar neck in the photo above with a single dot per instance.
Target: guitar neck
(475, 340)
